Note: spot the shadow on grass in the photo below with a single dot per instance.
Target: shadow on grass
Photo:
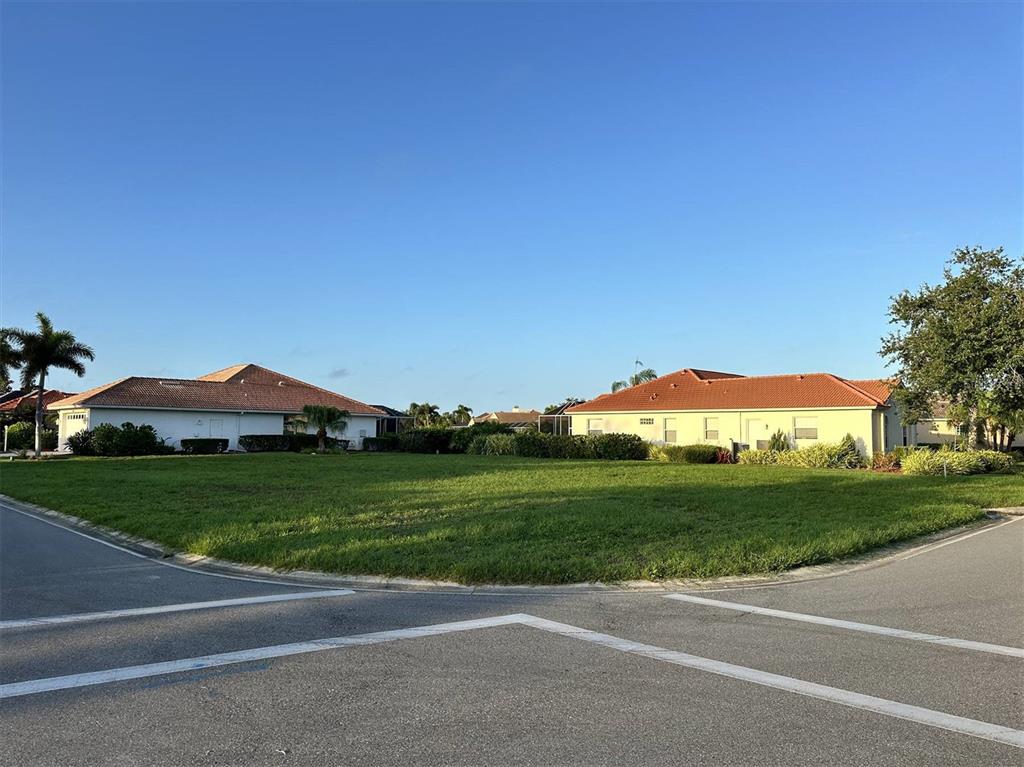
(475, 519)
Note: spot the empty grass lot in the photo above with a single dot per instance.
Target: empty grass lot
(477, 519)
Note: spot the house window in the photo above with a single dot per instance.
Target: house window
(711, 429)
(647, 422)
(595, 426)
(805, 428)
(670, 430)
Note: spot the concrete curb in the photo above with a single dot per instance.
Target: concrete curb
(213, 566)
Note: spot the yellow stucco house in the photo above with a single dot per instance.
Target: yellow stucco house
(725, 409)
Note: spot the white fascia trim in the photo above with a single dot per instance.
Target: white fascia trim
(194, 410)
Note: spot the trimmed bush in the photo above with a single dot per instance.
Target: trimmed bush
(265, 443)
(127, 439)
(385, 443)
(434, 440)
(692, 453)
(620, 447)
(499, 444)
(296, 443)
(571, 446)
(22, 436)
(531, 444)
(462, 437)
(204, 445)
(758, 457)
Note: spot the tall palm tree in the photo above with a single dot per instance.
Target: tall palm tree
(42, 349)
(324, 418)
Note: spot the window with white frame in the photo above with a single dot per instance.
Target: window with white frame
(595, 426)
(669, 430)
(711, 429)
(805, 427)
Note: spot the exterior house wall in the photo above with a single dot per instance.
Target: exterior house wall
(937, 431)
(749, 426)
(175, 425)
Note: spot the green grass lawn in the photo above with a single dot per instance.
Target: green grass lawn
(479, 519)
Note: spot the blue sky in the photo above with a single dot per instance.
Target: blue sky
(497, 204)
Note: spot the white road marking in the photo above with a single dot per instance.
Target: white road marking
(960, 538)
(938, 719)
(962, 725)
(34, 686)
(146, 558)
(867, 628)
(185, 606)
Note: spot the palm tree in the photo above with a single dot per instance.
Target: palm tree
(9, 358)
(461, 415)
(424, 414)
(40, 350)
(641, 376)
(324, 418)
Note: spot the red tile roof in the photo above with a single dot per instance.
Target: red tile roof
(706, 390)
(508, 416)
(249, 388)
(49, 397)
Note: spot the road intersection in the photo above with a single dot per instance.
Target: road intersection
(113, 658)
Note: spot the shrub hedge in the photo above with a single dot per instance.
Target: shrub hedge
(295, 443)
(204, 445)
(430, 440)
(939, 462)
(841, 455)
(461, 438)
(499, 444)
(126, 439)
(22, 436)
(385, 443)
(685, 453)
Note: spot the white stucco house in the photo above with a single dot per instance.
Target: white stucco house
(228, 403)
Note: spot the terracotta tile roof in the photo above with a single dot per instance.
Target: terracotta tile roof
(694, 390)
(246, 387)
(879, 388)
(49, 397)
(509, 417)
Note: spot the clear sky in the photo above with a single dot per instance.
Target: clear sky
(497, 204)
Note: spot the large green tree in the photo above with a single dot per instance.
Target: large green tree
(40, 350)
(963, 339)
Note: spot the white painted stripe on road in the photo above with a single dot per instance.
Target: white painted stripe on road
(183, 607)
(938, 719)
(31, 687)
(959, 538)
(146, 558)
(962, 725)
(867, 628)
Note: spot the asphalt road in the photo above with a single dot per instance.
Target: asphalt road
(582, 678)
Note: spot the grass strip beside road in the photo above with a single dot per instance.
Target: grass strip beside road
(485, 519)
